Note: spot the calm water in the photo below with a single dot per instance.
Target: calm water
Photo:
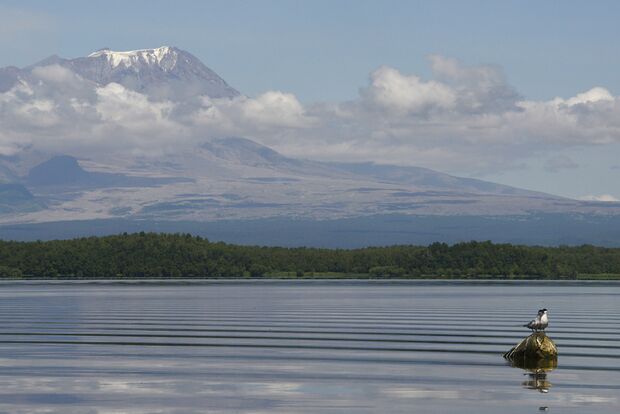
(291, 347)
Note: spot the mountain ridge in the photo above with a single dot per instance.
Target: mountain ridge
(232, 178)
(237, 178)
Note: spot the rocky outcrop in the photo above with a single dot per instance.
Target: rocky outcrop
(535, 351)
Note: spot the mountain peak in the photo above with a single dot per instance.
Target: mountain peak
(131, 57)
(165, 72)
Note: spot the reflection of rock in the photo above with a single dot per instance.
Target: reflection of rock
(538, 380)
(538, 346)
(534, 364)
(538, 355)
(537, 371)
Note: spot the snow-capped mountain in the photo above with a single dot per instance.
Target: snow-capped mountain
(164, 72)
(209, 178)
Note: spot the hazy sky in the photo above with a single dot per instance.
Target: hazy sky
(356, 53)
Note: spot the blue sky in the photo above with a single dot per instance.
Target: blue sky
(325, 51)
(547, 49)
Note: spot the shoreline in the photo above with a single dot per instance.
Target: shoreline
(309, 281)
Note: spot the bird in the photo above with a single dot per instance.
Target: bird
(534, 323)
(540, 322)
(544, 319)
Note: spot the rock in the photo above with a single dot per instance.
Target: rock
(537, 350)
(537, 355)
(534, 365)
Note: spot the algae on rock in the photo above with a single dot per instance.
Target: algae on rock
(534, 351)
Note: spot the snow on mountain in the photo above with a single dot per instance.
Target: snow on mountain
(226, 178)
(164, 56)
(165, 72)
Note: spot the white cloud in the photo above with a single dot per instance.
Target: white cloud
(603, 197)
(58, 111)
(466, 119)
(55, 74)
(479, 89)
(408, 94)
(274, 108)
(593, 95)
(131, 110)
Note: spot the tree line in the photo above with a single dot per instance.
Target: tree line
(152, 255)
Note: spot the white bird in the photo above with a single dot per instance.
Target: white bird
(540, 322)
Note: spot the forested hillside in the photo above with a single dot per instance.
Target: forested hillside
(150, 255)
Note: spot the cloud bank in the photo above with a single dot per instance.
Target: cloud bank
(466, 118)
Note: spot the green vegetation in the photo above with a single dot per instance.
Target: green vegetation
(150, 255)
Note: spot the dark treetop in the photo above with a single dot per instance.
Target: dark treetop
(150, 255)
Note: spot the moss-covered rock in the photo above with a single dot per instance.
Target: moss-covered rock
(537, 350)
(537, 355)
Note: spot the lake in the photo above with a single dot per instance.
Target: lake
(303, 347)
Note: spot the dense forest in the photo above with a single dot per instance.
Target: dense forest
(151, 255)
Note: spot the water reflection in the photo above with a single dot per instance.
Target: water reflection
(537, 381)
(537, 372)
(302, 348)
